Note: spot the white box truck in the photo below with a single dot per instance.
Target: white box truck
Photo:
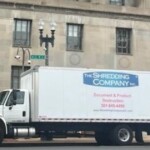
(112, 103)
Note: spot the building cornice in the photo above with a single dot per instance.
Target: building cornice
(86, 9)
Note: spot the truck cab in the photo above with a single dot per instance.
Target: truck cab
(14, 106)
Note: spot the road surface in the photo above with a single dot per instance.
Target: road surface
(68, 144)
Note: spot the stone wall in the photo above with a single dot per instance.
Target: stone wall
(99, 36)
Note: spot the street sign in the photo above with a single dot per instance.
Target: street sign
(37, 56)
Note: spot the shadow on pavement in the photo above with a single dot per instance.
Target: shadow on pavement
(59, 144)
(45, 144)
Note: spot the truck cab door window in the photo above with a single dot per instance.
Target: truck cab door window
(19, 99)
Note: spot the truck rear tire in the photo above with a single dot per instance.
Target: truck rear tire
(122, 135)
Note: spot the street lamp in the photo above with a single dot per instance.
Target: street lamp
(24, 50)
(46, 39)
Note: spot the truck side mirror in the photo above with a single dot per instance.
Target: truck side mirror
(14, 95)
(11, 104)
(14, 102)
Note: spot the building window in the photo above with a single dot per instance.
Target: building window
(74, 37)
(22, 32)
(83, 0)
(123, 40)
(117, 2)
(15, 76)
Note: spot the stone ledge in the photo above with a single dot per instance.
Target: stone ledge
(102, 11)
(75, 5)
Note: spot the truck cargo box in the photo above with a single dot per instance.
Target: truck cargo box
(87, 95)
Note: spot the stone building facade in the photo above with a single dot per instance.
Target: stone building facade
(104, 34)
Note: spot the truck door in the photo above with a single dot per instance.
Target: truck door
(16, 110)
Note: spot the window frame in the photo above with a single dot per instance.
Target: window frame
(125, 39)
(117, 2)
(28, 26)
(19, 101)
(13, 77)
(79, 36)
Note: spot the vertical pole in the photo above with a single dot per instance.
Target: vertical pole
(47, 51)
(23, 59)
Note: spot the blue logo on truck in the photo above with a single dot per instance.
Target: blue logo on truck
(110, 79)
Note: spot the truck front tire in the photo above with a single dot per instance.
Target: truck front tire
(122, 135)
(1, 134)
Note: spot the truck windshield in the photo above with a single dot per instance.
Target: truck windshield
(3, 96)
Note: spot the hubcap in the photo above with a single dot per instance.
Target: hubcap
(124, 135)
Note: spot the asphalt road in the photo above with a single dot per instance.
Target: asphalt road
(67, 144)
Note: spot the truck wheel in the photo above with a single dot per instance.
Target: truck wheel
(1, 134)
(122, 135)
(102, 138)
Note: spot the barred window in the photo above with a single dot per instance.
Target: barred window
(123, 40)
(74, 37)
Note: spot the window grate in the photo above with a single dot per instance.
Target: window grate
(123, 40)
